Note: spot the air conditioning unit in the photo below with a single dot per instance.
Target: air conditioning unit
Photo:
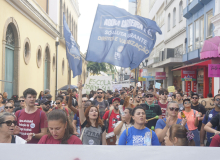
(168, 52)
(161, 54)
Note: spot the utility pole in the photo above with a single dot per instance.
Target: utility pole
(57, 44)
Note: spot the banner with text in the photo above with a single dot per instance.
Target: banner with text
(187, 75)
(96, 82)
(160, 75)
(120, 38)
(213, 70)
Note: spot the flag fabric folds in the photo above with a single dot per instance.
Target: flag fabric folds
(120, 38)
(72, 50)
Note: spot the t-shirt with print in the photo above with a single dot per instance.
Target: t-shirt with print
(212, 114)
(124, 127)
(92, 135)
(151, 111)
(199, 108)
(191, 117)
(31, 123)
(102, 106)
(163, 108)
(161, 123)
(135, 137)
(113, 119)
(215, 121)
(50, 140)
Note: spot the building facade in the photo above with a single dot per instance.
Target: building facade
(29, 31)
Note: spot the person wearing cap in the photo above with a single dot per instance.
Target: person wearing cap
(211, 122)
(46, 92)
(198, 107)
(45, 105)
(112, 115)
(49, 97)
(151, 110)
(191, 116)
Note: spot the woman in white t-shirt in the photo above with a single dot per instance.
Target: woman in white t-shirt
(7, 127)
(125, 123)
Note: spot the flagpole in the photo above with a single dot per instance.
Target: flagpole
(57, 44)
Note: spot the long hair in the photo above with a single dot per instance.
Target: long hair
(180, 132)
(61, 115)
(126, 103)
(98, 120)
(39, 97)
(130, 112)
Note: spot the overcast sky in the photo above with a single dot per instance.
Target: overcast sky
(87, 10)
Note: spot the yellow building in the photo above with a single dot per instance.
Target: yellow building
(29, 30)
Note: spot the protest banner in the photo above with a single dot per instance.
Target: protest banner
(157, 85)
(96, 82)
(123, 39)
(171, 89)
(116, 86)
(97, 152)
(207, 102)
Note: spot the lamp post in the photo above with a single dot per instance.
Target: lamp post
(57, 44)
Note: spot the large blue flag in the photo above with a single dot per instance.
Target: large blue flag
(120, 38)
(72, 50)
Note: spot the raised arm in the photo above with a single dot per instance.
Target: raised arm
(70, 106)
(134, 91)
(81, 109)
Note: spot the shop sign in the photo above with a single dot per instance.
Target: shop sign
(161, 75)
(194, 86)
(214, 70)
(187, 75)
(141, 79)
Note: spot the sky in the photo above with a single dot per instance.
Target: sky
(87, 9)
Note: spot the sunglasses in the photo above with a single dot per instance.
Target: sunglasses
(99, 92)
(6, 107)
(58, 103)
(9, 123)
(188, 102)
(151, 96)
(48, 103)
(131, 99)
(172, 109)
(84, 101)
(217, 99)
(21, 100)
(194, 97)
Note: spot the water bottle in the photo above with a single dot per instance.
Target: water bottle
(147, 139)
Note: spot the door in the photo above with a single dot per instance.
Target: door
(9, 70)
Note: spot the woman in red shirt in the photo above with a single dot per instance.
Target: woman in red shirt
(60, 130)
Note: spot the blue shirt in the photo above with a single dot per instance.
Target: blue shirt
(136, 137)
(161, 124)
(212, 114)
(76, 118)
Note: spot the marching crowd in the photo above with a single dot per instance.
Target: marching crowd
(130, 116)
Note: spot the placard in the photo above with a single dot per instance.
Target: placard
(171, 89)
(96, 82)
(207, 102)
(157, 85)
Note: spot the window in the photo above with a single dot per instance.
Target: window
(199, 33)
(39, 56)
(27, 51)
(160, 16)
(178, 51)
(54, 62)
(174, 17)
(209, 31)
(190, 43)
(168, 27)
(181, 11)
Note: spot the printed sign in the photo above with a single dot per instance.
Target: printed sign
(120, 38)
(96, 82)
(207, 102)
(141, 79)
(157, 85)
(160, 75)
(187, 75)
(171, 89)
(213, 70)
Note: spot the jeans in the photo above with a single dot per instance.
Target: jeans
(196, 137)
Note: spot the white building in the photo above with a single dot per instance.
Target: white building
(132, 6)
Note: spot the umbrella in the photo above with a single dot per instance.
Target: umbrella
(67, 86)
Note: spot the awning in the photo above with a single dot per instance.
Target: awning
(210, 48)
(198, 64)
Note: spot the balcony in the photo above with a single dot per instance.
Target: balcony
(190, 56)
(194, 7)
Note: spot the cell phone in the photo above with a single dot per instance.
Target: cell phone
(139, 84)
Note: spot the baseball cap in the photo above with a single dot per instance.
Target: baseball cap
(118, 99)
(149, 93)
(44, 100)
(48, 96)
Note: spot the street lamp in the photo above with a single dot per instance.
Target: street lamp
(57, 44)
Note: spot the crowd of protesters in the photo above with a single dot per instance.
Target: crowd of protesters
(130, 116)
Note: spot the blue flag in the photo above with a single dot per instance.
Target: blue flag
(120, 38)
(72, 50)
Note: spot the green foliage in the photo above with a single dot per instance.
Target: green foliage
(95, 68)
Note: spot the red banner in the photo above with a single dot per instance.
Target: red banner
(160, 75)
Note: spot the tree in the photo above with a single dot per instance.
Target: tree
(95, 68)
